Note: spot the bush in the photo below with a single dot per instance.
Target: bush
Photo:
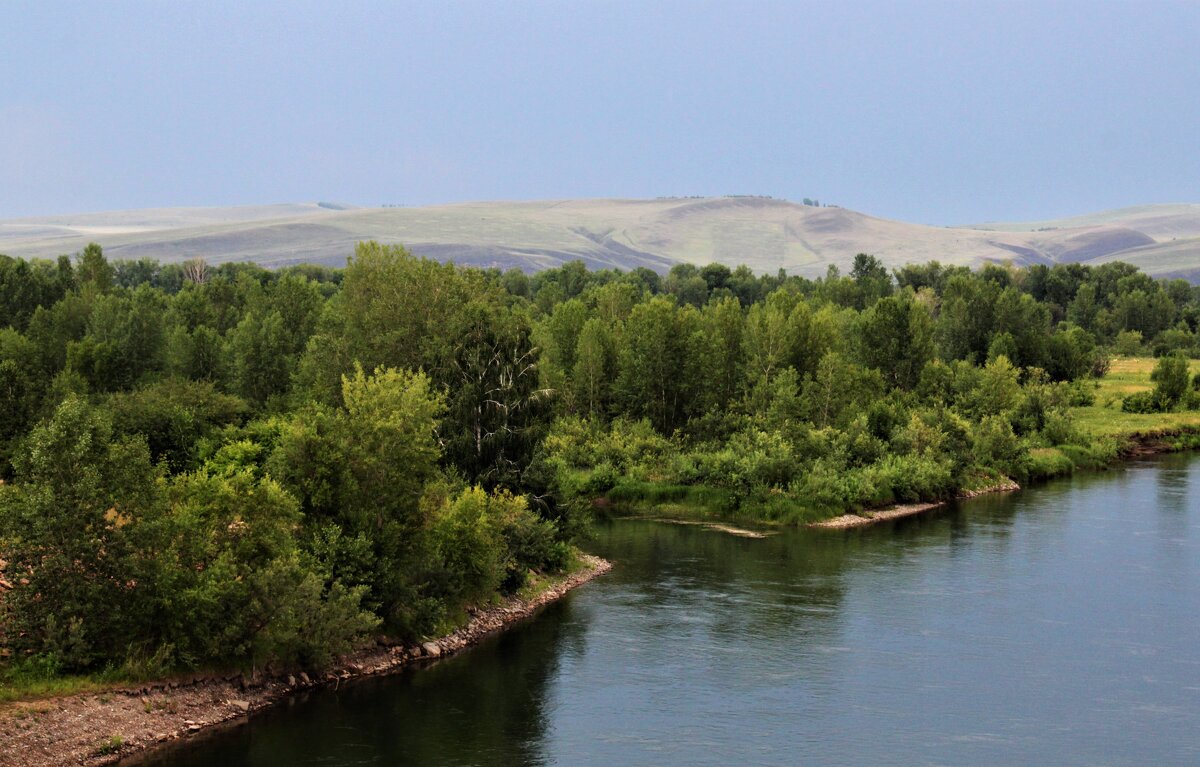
(1140, 402)
(1170, 376)
(1129, 343)
(1058, 429)
(1081, 394)
(1174, 340)
(1092, 456)
(907, 478)
(1101, 363)
(470, 551)
(582, 458)
(994, 443)
(487, 543)
(173, 415)
(1043, 463)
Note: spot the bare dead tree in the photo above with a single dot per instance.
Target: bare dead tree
(195, 270)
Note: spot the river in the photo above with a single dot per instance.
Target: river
(1058, 625)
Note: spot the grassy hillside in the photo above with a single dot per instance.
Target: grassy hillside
(1161, 222)
(766, 234)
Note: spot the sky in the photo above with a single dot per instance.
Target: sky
(931, 112)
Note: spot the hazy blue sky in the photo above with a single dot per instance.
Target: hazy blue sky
(931, 112)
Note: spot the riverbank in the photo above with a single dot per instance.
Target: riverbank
(871, 517)
(1051, 463)
(1123, 438)
(101, 728)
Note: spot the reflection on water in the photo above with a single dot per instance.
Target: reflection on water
(1053, 626)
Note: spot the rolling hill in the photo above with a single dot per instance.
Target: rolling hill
(764, 233)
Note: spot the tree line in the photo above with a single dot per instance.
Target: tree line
(212, 465)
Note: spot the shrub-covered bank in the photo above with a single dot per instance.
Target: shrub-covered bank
(1107, 432)
(103, 728)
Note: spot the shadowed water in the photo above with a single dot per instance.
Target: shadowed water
(1054, 626)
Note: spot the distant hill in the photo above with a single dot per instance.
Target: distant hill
(764, 233)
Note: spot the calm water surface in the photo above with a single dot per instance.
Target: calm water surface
(1055, 626)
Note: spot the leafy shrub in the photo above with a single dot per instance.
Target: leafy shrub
(1080, 394)
(908, 478)
(994, 443)
(1059, 429)
(1042, 463)
(486, 543)
(1129, 343)
(1173, 340)
(1170, 377)
(1092, 456)
(1140, 402)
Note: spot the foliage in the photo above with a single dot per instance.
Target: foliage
(68, 522)
(223, 464)
(1171, 379)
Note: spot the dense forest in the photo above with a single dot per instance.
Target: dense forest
(208, 466)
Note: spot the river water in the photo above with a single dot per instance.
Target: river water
(1056, 626)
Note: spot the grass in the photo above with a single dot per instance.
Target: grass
(666, 499)
(701, 503)
(1127, 376)
(1046, 462)
(17, 686)
(110, 746)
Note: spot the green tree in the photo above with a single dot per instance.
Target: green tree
(232, 581)
(686, 283)
(1170, 377)
(654, 359)
(387, 433)
(66, 520)
(722, 351)
(965, 324)
(198, 355)
(595, 366)
(992, 390)
(768, 337)
(1071, 353)
(1003, 345)
(1146, 311)
(259, 351)
(173, 415)
(1129, 343)
(495, 403)
(557, 337)
(125, 340)
(872, 279)
(26, 285)
(1027, 321)
(1084, 308)
(93, 271)
(895, 336)
(838, 390)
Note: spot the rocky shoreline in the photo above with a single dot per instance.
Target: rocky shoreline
(909, 509)
(102, 728)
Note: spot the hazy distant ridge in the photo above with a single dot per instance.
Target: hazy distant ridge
(764, 233)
